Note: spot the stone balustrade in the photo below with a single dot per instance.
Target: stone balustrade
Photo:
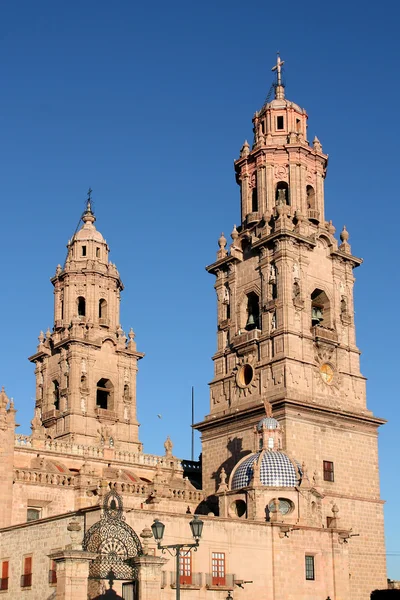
(133, 458)
(35, 476)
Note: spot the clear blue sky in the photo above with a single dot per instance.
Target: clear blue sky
(149, 103)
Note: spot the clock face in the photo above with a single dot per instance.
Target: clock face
(327, 373)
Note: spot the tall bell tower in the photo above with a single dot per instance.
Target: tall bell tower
(86, 367)
(286, 334)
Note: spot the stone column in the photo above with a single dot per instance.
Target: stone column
(72, 573)
(149, 576)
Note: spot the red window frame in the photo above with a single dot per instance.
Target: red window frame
(218, 576)
(329, 473)
(53, 572)
(185, 568)
(26, 577)
(4, 575)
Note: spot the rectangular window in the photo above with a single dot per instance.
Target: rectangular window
(218, 568)
(4, 576)
(185, 568)
(279, 123)
(26, 577)
(328, 471)
(33, 514)
(53, 572)
(97, 252)
(310, 570)
(83, 250)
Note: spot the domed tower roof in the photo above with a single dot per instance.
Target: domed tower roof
(267, 423)
(275, 469)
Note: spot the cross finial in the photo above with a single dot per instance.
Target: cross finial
(277, 68)
(89, 200)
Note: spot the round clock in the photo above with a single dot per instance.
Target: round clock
(326, 372)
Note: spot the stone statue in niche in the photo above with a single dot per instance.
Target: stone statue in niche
(83, 366)
(83, 405)
(296, 271)
(273, 320)
(281, 200)
(272, 273)
(296, 291)
(226, 295)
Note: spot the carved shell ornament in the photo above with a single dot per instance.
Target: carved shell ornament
(280, 172)
(246, 377)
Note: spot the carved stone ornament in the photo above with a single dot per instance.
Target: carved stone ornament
(280, 172)
(246, 377)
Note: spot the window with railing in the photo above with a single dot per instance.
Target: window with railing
(218, 568)
(185, 568)
(4, 575)
(26, 577)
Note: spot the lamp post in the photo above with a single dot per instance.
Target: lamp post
(178, 550)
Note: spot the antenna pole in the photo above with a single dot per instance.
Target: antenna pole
(192, 423)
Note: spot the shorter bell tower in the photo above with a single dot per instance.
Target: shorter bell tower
(86, 366)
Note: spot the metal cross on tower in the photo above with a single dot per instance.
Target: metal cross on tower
(277, 68)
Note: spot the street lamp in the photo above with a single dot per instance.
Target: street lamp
(178, 550)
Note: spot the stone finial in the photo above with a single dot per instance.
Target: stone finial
(234, 235)
(146, 535)
(222, 241)
(245, 150)
(131, 340)
(344, 236)
(223, 486)
(58, 270)
(222, 252)
(36, 425)
(48, 333)
(168, 445)
(317, 145)
(41, 337)
(74, 528)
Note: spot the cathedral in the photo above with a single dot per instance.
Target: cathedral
(287, 489)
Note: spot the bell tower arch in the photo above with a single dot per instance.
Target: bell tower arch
(86, 366)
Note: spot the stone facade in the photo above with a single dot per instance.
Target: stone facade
(290, 505)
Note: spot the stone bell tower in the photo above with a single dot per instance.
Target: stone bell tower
(285, 330)
(86, 367)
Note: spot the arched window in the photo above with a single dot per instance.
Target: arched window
(105, 394)
(102, 309)
(310, 197)
(320, 309)
(282, 193)
(56, 394)
(253, 312)
(81, 306)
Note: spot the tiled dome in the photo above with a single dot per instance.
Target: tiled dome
(276, 470)
(269, 422)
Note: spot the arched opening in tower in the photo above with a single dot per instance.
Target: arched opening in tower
(56, 394)
(310, 198)
(104, 394)
(81, 306)
(282, 193)
(253, 312)
(102, 309)
(320, 308)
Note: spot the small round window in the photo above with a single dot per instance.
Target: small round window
(285, 506)
(245, 375)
